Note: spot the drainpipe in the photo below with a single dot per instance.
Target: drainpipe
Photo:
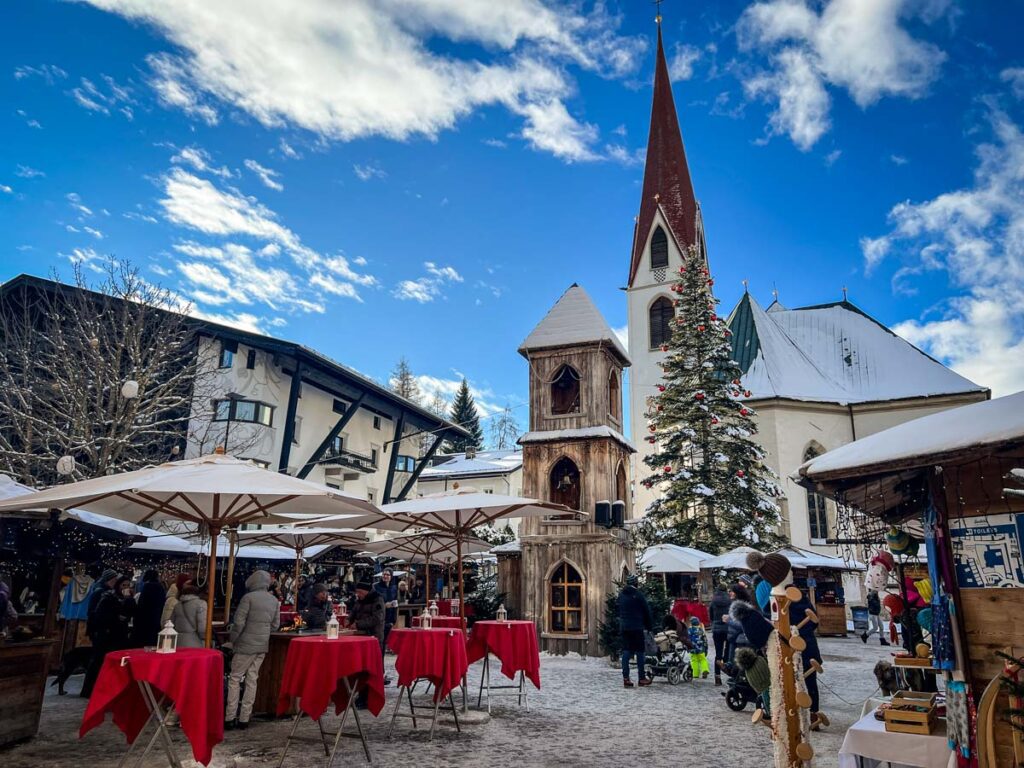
(853, 424)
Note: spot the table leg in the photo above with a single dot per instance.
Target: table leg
(483, 676)
(433, 723)
(359, 724)
(522, 690)
(394, 712)
(323, 738)
(291, 735)
(161, 724)
(131, 747)
(455, 714)
(412, 708)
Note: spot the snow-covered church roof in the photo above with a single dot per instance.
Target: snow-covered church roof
(832, 353)
(573, 320)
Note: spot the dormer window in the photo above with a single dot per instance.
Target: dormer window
(565, 391)
(659, 249)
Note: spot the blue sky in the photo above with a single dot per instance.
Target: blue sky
(378, 178)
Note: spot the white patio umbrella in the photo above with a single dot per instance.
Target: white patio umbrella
(458, 512)
(302, 540)
(216, 491)
(733, 560)
(671, 558)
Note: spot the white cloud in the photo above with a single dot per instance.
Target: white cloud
(368, 171)
(27, 172)
(29, 121)
(200, 160)
(976, 236)
(487, 402)
(267, 175)
(75, 201)
(680, 67)
(103, 99)
(428, 287)
(48, 72)
(1015, 77)
(6, 189)
(831, 157)
(94, 232)
(624, 155)
(496, 143)
(857, 45)
(623, 335)
(372, 68)
(288, 150)
(199, 205)
(898, 159)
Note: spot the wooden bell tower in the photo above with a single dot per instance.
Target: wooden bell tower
(574, 454)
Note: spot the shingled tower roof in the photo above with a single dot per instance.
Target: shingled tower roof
(667, 182)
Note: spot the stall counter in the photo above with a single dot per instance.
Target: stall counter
(23, 668)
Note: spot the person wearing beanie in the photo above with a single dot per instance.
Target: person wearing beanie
(719, 609)
(257, 615)
(634, 619)
(698, 649)
(367, 618)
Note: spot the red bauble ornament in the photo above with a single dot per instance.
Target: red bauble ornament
(746, 393)
(744, 412)
(739, 473)
(714, 419)
(660, 408)
(728, 333)
(661, 387)
(699, 396)
(682, 270)
(736, 382)
(664, 347)
(652, 440)
(711, 281)
(700, 328)
(714, 317)
(652, 428)
(668, 469)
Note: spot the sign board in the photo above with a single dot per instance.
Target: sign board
(987, 551)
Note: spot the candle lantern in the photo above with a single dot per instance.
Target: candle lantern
(502, 614)
(433, 608)
(167, 640)
(426, 618)
(332, 627)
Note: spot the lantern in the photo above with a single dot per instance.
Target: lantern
(130, 389)
(426, 619)
(502, 614)
(332, 627)
(433, 608)
(167, 640)
(65, 465)
(343, 610)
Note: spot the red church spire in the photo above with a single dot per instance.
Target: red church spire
(666, 174)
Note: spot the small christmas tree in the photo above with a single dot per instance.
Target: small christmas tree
(716, 491)
(464, 414)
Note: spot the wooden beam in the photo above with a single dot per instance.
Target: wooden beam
(396, 446)
(289, 420)
(321, 449)
(420, 466)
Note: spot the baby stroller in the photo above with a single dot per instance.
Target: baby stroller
(739, 693)
(671, 659)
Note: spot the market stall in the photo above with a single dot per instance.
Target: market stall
(955, 476)
(678, 567)
(823, 578)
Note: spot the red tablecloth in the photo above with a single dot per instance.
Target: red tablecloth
(192, 678)
(315, 667)
(444, 608)
(684, 609)
(441, 622)
(513, 642)
(436, 654)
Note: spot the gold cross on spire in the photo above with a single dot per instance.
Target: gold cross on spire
(657, 4)
(844, 293)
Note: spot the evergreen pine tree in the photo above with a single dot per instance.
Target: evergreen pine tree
(464, 414)
(716, 493)
(402, 381)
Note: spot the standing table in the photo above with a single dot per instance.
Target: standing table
(435, 655)
(867, 743)
(514, 643)
(138, 686)
(319, 671)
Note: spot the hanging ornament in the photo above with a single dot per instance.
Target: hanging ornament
(664, 347)
(667, 469)
(736, 382)
(130, 389)
(711, 281)
(661, 387)
(700, 328)
(714, 317)
(739, 473)
(652, 440)
(699, 395)
(744, 412)
(714, 419)
(660, 408)
(65, 465)
(676, 303)
(682, 270)
(746, 393)
(652, 428)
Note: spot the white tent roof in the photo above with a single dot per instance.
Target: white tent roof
(733, 560)
(976, 425)
(457, 510)
(806, 558)
(434, 546)
(211, 489)
(671, 558)
(573, 320)
(181, 546)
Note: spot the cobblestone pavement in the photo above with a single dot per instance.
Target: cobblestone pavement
(583, 716)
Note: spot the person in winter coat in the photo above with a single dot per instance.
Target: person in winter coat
(316, 615)
(146, 624)
(735, 637)
(257, 615)
(388, 591)
(8, 616)
(111, 608)
(634, 618)
(367, 615)
(189, 617)
(719, 609)
(698, 649)
(874, 618)
(173, 594)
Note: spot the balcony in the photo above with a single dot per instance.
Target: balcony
(349, 460)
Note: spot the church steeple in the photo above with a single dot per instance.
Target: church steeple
(667, 182)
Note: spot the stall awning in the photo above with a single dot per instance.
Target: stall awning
(672, 558)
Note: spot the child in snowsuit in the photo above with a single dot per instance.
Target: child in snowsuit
(699, 649)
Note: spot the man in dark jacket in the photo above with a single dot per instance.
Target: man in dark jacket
(367, 618)
(146, 624)
(388, 591)
(634, 619)
(719, 609)
(316, 615)
(110, 612)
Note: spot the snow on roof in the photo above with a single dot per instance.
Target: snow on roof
(484, 463)
(573, 320)
(509, 548)
(574, 434)
(976, 425)
(832, 353)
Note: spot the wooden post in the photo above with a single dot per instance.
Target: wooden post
(229, 590)
(798, 749)
(298, 571)
(211, 588)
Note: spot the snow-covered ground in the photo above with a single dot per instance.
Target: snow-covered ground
(582, 717)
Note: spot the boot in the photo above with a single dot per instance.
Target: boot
(864, 637)
(627, 683)
(718, 678)
(883, 641)
(643, 682)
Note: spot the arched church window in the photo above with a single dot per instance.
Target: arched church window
(614, 396)
(566, 594)
(661, 314)
(659, 249)
(565, 391)
(564, 482)
(817, 510)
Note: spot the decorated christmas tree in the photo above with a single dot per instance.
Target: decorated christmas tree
(715, 491)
